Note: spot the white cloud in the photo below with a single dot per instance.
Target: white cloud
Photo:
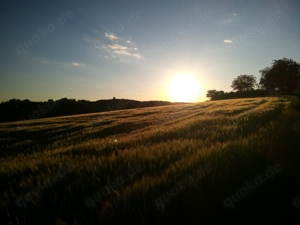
(77, 64)
(235, 14)
(117, 47)
(227, 41)
(138, 56)
(123, 50)
(111, 36)
(111, 46)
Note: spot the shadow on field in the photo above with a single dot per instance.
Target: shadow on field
(122, 128)
(271, 203)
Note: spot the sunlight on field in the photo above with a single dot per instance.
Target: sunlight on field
(140, 154)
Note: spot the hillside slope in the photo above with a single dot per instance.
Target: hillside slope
(229, 161)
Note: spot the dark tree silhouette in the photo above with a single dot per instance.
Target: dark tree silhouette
(282, 77)
(221, 95)
(214, 94)
(16, 109)
(244, 83)
(211, 93)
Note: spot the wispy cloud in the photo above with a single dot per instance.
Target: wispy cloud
(77, 64)
(227, 41)
(111, 46)
(111, 36)
(138, 56)
(123, 50)
(121, 46)
(117, 47)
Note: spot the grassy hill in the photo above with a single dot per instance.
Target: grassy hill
(229, 161)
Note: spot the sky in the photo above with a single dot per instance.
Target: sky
(133, 49)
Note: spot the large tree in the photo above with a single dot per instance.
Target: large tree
(283, 76)
(244, 83)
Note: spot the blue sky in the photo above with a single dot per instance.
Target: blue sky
(131, 49)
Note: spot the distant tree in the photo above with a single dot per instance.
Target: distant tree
(244, 83)
(14, 101)
(211, 93)
(214, 94)
(283, 76)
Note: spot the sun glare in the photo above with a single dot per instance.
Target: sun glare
(184, 88)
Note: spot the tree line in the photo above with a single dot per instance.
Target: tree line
(282, 77)
(16, 109)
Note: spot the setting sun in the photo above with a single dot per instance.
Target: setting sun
(184, 88)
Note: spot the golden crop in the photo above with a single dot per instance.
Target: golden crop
(117, 164)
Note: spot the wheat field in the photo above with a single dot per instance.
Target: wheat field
(179, 164)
